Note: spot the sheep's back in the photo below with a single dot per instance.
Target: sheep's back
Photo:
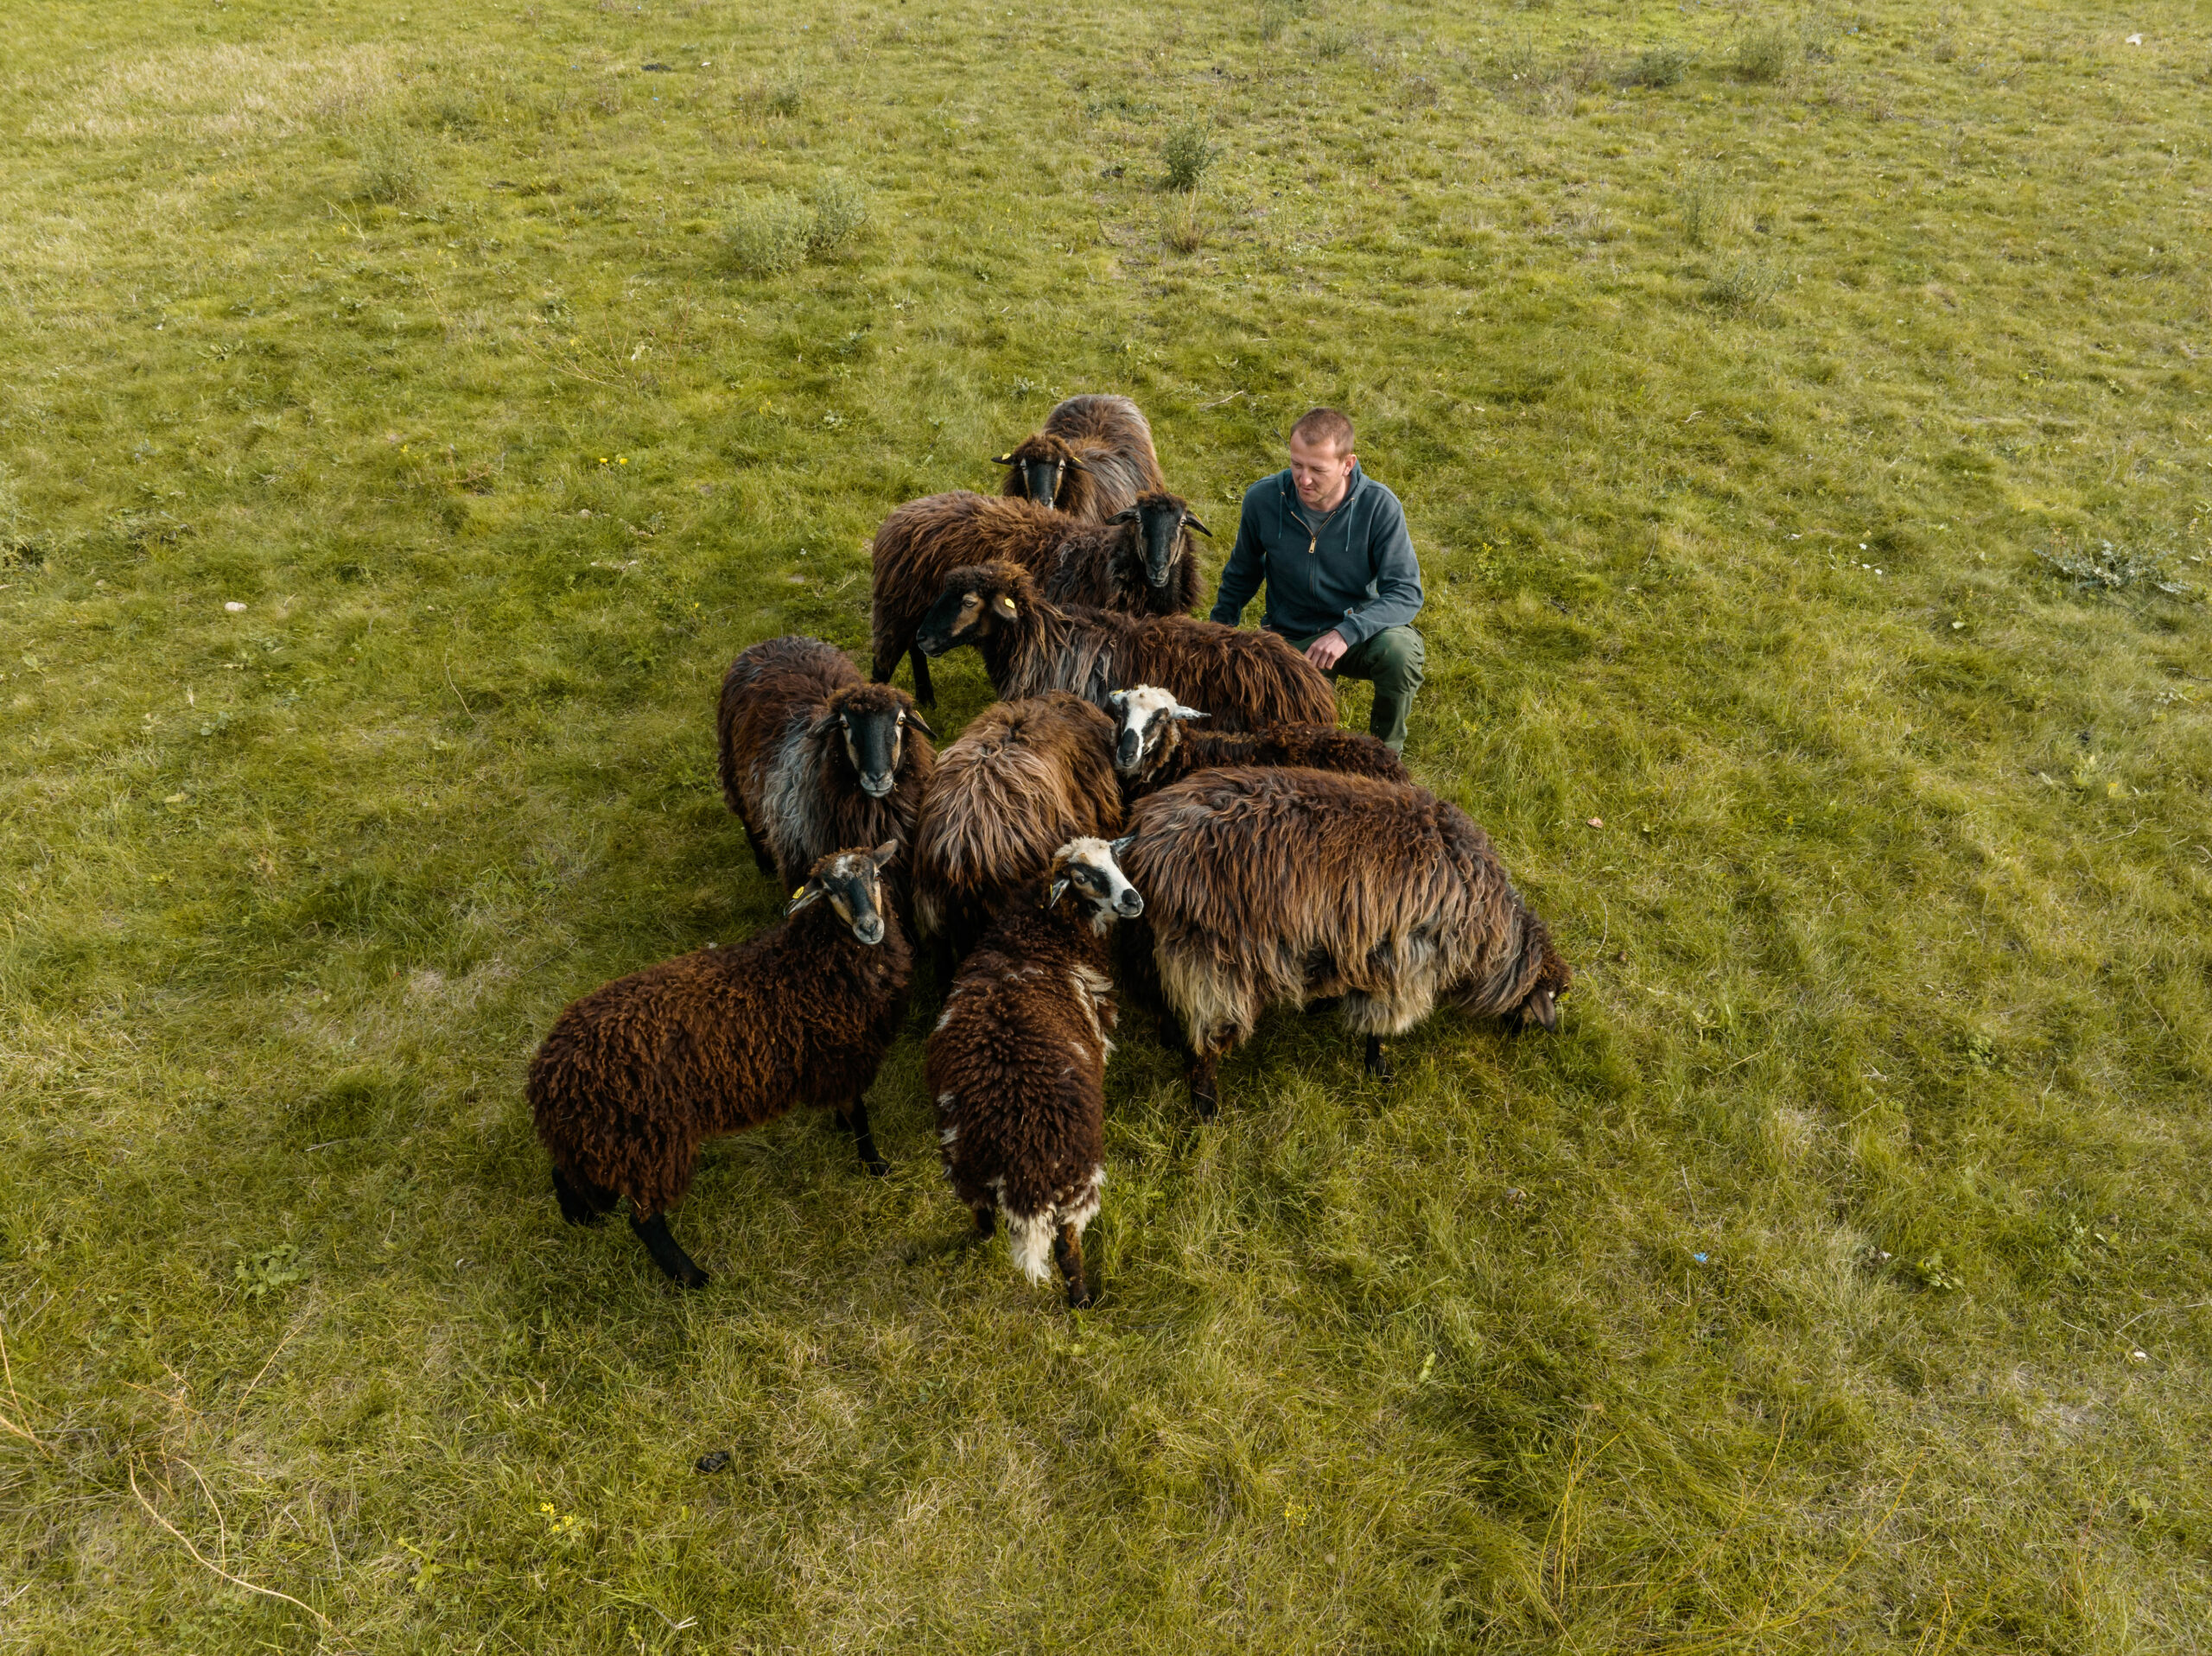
(769, 686)
(1239, 677)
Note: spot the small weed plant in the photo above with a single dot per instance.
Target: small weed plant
(1186, 154)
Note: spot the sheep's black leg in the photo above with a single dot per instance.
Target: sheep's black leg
(1378, 1061)
(761, 859)
(856, 1118)
(987, 1220)
(924, 693)
(1067, 1249)
(667, 1254)
(1204, 1083)
(582, 1201)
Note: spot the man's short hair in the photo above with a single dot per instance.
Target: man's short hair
(1318, 426)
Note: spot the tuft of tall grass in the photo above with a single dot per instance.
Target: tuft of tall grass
(1186, 154)
(1744, 285)
(1660, 66)
(391, 166)
(1767, 51)
(1182, 225)
(838, 213)
(767, 235)
(1712, 208)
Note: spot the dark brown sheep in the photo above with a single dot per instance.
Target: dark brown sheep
(1156, 745)
(1242, 678)
(639, 1072)
(1141, 562)
(1017, 1064)
(813, 758)
(1138, 562)
(1093, 458)
(1024, 778)
(1265, 885)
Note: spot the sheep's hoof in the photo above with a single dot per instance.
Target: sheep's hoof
(875, 1167)
(1205, 1103)
(1378, 1061)
(1078, 1297)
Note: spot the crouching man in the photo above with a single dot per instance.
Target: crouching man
(1342, 583)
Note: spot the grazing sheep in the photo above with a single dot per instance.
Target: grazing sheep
(812, 758)
(1243, 679)
(1270, 886)
(1024, 777)
(1017, 1063)
(1140, 562)
(636, 1074)
(1093, 459)
(1152, 749)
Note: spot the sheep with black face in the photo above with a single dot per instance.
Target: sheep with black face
(1242, 678)
(813, 758)
(1138, 562)
(1093, 457)
(637, 1074)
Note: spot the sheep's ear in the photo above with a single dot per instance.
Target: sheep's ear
(1192, 521)
(1053, 896)
(1004, 605)
(1118, 700)
(1542, 1008)
(1127, 515)
(921, 724)
(800, 899)
(1182, 712)
(1002, 459)
(882, 855)
(1074, 464)
(1121, 846)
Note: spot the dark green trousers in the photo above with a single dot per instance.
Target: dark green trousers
(1393, 661)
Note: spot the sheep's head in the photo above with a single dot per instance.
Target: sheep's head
(853, 881)
(974, 604)
(1092, 869)
(1160, 520)
(1540, 1005)
(1148, 717)
(871, 721)
(1043, 463)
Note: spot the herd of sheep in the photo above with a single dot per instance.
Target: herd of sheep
(1265, 857)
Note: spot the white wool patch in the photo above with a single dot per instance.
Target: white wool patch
(944, 1017)
(1029, 1240)
(950, 1134)
(796, 826)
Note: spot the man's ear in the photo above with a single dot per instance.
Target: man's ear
(1004, 605)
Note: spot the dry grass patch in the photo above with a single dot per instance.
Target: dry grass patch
(228, 92)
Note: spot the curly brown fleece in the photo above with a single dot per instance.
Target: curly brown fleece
(1022, 780)
(1263, 886)
(1242, 677)
(1017, 1066)
(637, 1074)
(1183, 752)
(785, 769)
(1101, 447)
(925, 540)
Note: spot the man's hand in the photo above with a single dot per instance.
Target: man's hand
(1325, 651)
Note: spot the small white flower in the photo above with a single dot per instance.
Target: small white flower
(235, 607)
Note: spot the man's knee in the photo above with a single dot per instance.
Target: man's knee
(1397, 660)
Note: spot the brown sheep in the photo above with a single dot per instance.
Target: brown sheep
(636, 1074)
(1141, 562)
(1024, 777)
(1017, 1064)
(1242, 678)
(1153, 749)
(1093, 459)
(813, 758)
(1265, 886)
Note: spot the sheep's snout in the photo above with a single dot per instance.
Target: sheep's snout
(1541, 1009)
(876, 785)
(1128, 905)
(868, 929)
(1128, 749)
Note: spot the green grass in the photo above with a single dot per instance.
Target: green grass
(1835, 1281)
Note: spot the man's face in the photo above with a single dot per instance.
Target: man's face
(1321, 473)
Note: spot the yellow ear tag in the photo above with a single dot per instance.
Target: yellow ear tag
(798, 894)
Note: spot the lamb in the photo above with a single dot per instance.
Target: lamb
(812, 758)
(1269, 886)
(1243, 679)
(1017, 1063)
(1093, 458)
(1152, 748)
(636, 1074)
(1138, 562)
(1026, 776)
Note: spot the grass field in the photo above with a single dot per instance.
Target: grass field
(407, 410)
